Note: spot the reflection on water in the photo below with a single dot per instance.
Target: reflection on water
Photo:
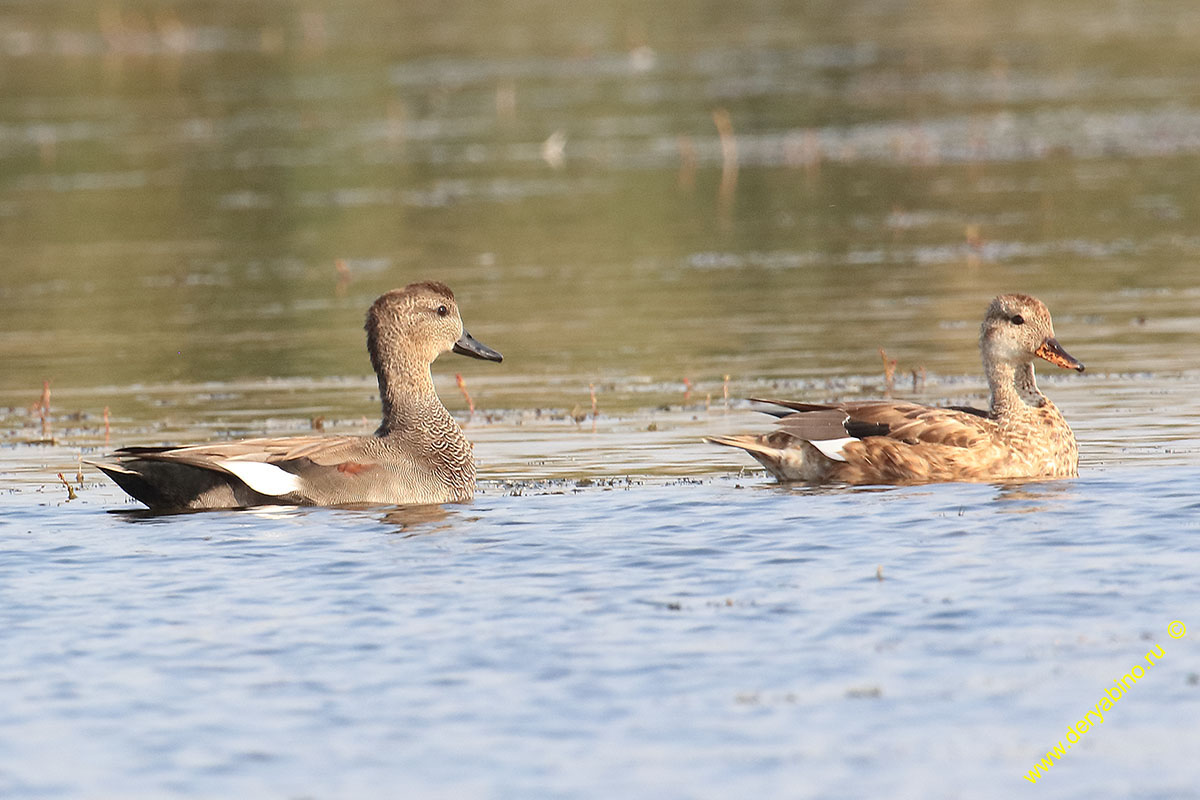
(419, 520)
(1031, 497)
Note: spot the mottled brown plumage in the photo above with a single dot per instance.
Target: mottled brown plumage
(419, 454)
(1021, 435)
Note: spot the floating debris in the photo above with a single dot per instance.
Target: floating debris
(42, 404)
(554, 149)
(42, 408)
(592, 390)
(70, 489)
(462, 387)
(729, 164)
(889, 373)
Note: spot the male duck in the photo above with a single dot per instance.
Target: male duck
(1021, 435)
(418, 455)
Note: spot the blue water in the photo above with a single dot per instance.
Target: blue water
(715, 638)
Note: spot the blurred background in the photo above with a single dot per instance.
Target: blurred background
(623, 194)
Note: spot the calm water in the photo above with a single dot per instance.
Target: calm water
(623, 611)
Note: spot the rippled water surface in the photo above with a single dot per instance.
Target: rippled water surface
(670, 210)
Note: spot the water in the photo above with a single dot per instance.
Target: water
(623, 610)
(686, 639)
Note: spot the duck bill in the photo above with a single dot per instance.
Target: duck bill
(467, 346)
(1053, 352)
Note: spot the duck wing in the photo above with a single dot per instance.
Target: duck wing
(281, 452)
(246, 472)
(906, 422)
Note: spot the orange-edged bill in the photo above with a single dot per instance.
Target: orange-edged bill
(1053, 352)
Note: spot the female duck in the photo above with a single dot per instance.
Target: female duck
(1021, 435)
(418, 455)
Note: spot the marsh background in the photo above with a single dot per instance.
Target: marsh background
(639, 199)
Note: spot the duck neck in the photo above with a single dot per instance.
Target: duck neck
(1006, 399)
(1028, 388)
(408, 397)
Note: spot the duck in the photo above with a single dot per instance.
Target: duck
(1021, 434)
(418, 455)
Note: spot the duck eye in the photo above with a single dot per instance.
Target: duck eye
(1017, 319)
(443, 311)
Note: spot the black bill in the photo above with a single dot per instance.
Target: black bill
(467, 346)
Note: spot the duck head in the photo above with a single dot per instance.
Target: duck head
(419, 322)
(1017, 329)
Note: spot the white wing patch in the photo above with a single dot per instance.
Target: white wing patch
(263, 478)
(832, 448)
